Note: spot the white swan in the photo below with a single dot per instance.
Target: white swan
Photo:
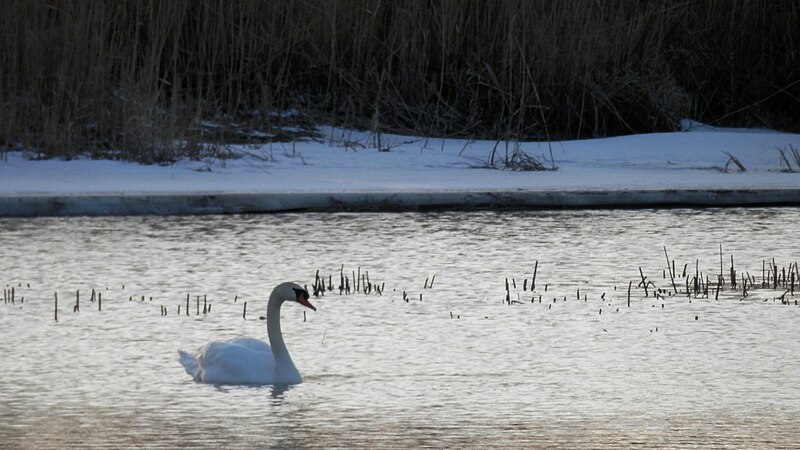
(246, 360)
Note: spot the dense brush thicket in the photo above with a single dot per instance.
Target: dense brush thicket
(135, 79)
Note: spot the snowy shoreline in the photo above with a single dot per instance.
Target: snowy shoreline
(346, 172)
(237, 203)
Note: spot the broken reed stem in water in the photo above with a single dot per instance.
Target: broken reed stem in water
(187, 304)
(671, 271)
(55, 308)
(244, 311)
(774, 273)
(744, 286)
(630, 283)
(643, 283)
(99, 301)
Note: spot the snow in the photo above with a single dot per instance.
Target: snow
(345, 169)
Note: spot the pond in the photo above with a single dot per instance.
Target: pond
(444, 356)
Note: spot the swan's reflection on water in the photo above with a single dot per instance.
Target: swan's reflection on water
(276, 392)
(460, 368)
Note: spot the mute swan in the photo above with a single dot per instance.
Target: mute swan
(246, 360)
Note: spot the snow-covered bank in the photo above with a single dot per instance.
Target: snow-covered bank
(345, 170)
(231, 203)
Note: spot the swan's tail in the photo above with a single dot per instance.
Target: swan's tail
(189, 362)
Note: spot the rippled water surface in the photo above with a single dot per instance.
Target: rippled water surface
(459, 368)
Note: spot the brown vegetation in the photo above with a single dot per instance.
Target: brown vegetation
(133, 79)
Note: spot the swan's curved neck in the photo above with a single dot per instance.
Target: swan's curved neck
(285, 370)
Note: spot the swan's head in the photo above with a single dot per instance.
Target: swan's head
(295, 293)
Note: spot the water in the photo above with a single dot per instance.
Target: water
(461, 368)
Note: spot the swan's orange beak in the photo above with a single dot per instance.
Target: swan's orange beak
(302, 298)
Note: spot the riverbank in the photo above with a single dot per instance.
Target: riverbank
(348, 170)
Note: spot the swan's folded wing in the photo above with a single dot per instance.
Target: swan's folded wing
(233, 363)
(252, 344)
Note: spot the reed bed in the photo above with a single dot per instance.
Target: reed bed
(157, 81)
(775, 283)
(678, 283)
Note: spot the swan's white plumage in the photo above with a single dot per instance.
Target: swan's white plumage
(237, 361)
(245, 360)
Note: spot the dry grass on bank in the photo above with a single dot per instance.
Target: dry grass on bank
(135, 79)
